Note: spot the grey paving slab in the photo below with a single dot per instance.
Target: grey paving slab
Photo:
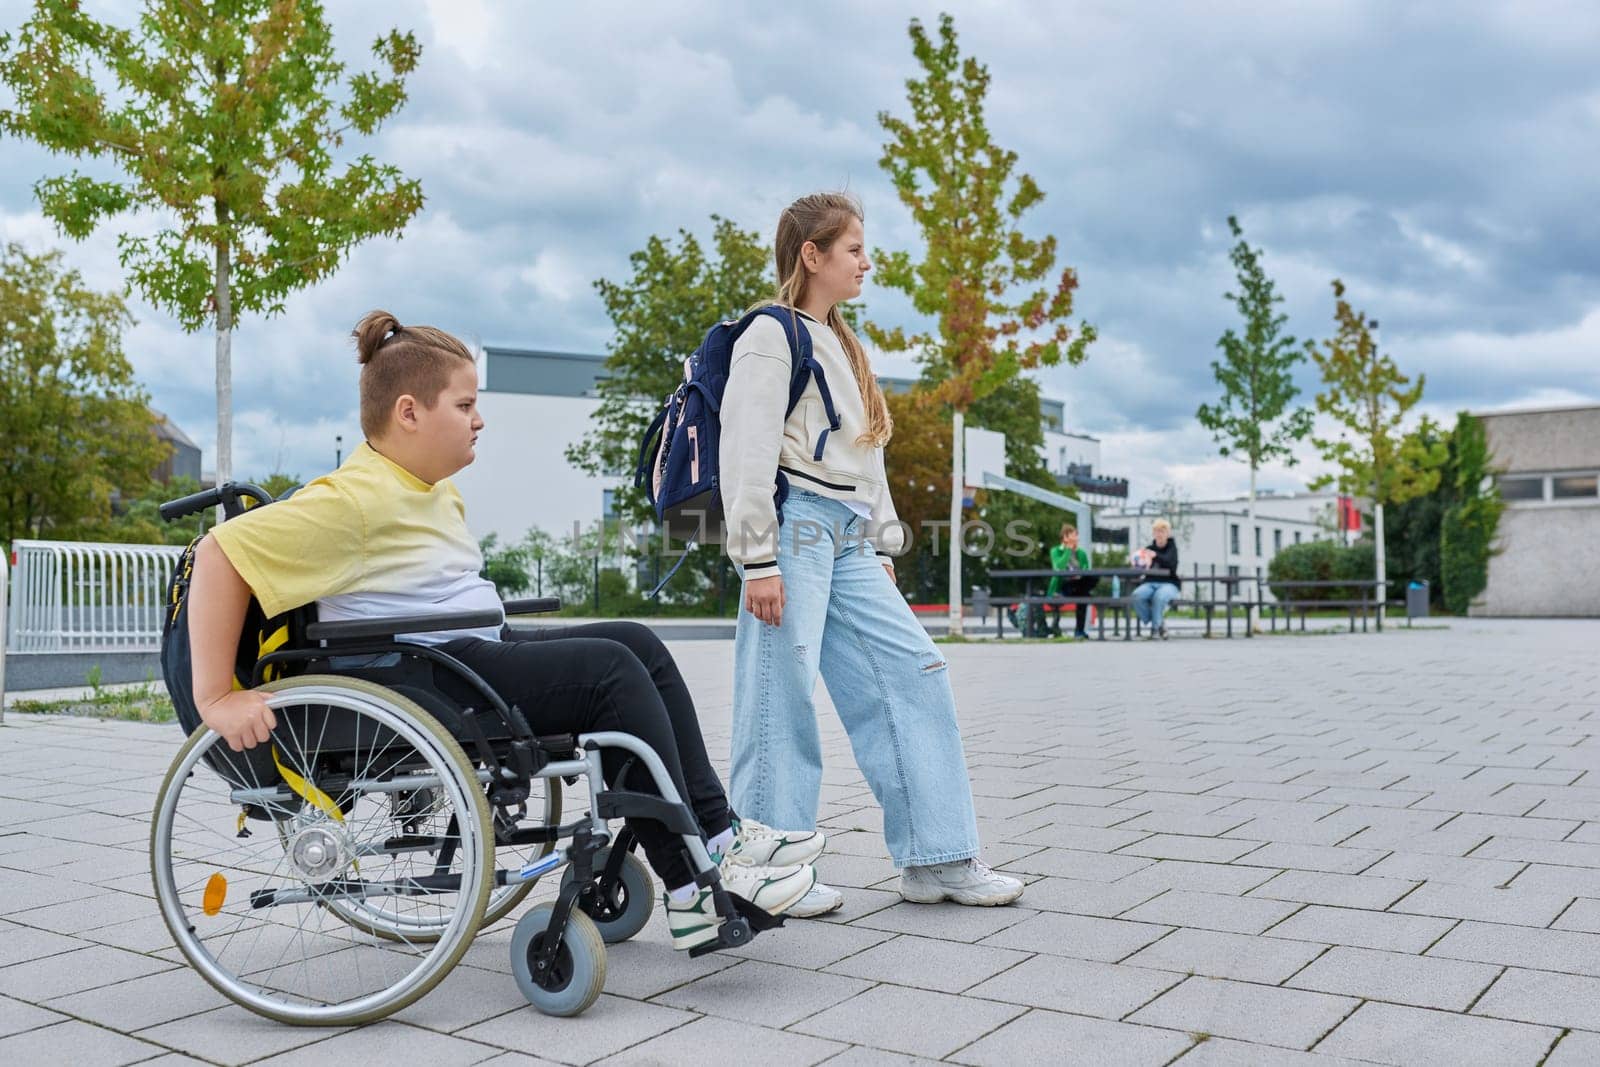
(693, 1045)
(949, 921)
(71, 972)
(1336, 890)
(1214, 911)
(1051, 1037)
(1577, 1049)
(1422, 981)
(1519, 946)
(1222, 1052)
(1363, 929)
(1247, 958)
(780, 996)
(88, 1046)
(385, 1044)
(1389, 1033)
(17, 1016)
(1083, 937)
(1517, 907)
(610, 1026)
(1266, 1014)
(944, 1023)
(928, 963)
(1082, 987)
(1571, 1000)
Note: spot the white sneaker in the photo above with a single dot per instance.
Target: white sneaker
(822, 900)
(773, 889)
(760, 845)
(964, 881)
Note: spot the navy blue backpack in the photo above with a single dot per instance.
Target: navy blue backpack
(677, 466)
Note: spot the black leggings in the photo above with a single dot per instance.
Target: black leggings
(1079, 587)
(609, 676)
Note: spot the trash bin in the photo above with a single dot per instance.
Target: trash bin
(1417, 599)
(980, 602)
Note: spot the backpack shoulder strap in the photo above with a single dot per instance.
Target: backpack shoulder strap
(805, 365)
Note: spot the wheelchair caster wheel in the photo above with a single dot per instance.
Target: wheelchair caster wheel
(735, 932)
(578, 973)
(623, 911)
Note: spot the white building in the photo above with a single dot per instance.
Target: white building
(1217, 536)
(536, 403)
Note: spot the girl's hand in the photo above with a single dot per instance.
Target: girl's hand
(763, 598)
(241, 717)
(890, 568)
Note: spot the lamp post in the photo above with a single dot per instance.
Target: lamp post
(338, 450)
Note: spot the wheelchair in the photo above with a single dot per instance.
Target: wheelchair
(337, 873)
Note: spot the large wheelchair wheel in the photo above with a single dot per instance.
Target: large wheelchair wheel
(256, 875)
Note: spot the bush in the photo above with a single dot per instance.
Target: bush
(1322, 561)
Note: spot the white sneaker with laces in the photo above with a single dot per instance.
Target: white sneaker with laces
(773, 889)
(964, 881)
(822, 900)
(758, 844)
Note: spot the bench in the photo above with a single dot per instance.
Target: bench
(1120, 606)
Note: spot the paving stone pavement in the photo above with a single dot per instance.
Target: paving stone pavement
(1311, 850)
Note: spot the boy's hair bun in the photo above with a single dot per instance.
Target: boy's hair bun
(371, 332)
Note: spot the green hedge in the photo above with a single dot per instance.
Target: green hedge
(1322, 561)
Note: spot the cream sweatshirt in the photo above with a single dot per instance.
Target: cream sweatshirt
(758, 441)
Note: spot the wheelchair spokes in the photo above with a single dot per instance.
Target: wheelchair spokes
(373, 825)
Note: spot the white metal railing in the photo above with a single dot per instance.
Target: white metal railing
(78, 596)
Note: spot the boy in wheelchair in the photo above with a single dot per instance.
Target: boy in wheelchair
(385, 536)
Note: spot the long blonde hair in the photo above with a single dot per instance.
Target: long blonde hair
(820, 218)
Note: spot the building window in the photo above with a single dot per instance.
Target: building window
(1297, 537)
(1233, 568)
(1573, 487)
(1277, 541)
(608, 503)
(1258, 540)
(1233, 538)
(1521, 488)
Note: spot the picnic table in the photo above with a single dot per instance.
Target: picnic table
(1368, 601)
(1119, 604)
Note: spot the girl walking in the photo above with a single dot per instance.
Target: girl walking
(819, 591)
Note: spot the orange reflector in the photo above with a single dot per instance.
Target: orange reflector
(216, 890)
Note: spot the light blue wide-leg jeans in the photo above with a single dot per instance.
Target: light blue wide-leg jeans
(844, 618)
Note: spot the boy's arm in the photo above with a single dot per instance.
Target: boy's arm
(218, 598)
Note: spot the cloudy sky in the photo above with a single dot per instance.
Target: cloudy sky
(1442, 158)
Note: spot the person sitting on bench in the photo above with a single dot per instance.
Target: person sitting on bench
(1067, 556)
(1157, 591)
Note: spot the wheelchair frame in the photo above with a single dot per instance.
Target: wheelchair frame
(507, 768)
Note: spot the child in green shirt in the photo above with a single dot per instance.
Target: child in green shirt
(1064, 557)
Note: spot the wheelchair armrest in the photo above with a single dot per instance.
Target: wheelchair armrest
(533, 605)
(357, 629)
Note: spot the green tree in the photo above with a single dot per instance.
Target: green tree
(1367, 396)
(223, 119)
(74, 425)
(659, 316)
(506, 567)
(1253, 420)
(1467, 531)
(997, 305)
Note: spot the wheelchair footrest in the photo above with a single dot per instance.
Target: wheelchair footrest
(739, 928)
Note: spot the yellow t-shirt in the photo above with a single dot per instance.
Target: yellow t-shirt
(371, 539)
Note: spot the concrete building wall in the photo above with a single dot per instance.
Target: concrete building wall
(521, 477)
(1548, 548)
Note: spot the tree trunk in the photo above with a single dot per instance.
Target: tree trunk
(1383, 571)
(957, 489)
(1250, 517)
(224, 298)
